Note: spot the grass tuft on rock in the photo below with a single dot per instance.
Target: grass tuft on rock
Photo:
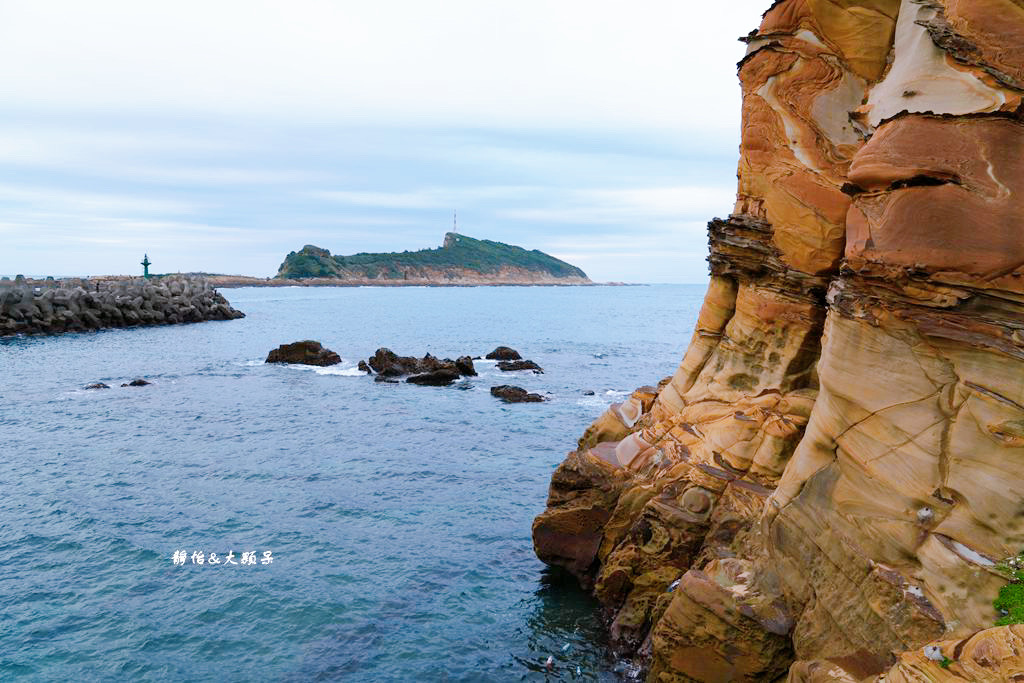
(1010, 601)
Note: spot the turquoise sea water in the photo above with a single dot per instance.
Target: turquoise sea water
(397, 516)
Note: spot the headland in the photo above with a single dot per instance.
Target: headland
(460, 260)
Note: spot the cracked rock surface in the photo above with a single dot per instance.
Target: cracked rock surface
(824, 485)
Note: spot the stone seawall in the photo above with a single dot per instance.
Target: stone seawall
(53, 307)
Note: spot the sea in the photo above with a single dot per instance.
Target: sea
(362, 531)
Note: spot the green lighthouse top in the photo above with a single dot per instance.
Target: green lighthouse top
(145, 265)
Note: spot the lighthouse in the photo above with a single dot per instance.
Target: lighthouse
(145, 266)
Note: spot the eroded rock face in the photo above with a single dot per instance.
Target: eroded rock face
(829, 476)
(306, 352)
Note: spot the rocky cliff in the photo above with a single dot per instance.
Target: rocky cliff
(52, 307)
(825, 485)
(460, 260)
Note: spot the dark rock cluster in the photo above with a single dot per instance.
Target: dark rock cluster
(387, 366)
(509, 360)
(513, 365)
(428, 370)
(80, 305)
(134, 383)
(306, 352)
(511, 394)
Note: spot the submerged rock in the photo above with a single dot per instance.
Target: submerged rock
(503, 353)
(307, 352)
(511, 394)
(97, 385)
(515, 365)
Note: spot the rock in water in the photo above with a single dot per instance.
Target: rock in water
(133, 383)
(503, 353)
(511, 394)
(303, 353)
(97, 385)
(436, 378)
(836, 465)
(387, 363)
(515, 365)
(464, 364)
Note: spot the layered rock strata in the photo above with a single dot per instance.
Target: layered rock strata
(54, 307)
(824, 485)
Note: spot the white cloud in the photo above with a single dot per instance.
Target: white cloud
(426, 198)
(37, 143)
(228, 133)
(577, 62)
(637, 207)
(670, 236)
(88, 203)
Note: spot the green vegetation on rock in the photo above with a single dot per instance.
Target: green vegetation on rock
(458, 252)
(1010, 603)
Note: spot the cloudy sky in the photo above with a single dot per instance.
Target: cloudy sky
(218, 135)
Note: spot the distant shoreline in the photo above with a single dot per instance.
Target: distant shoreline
(235, 283)
(238, 281)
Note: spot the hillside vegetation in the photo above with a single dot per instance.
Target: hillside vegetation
(458, 253)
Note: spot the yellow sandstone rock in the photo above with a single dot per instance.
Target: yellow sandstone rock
(825, 484)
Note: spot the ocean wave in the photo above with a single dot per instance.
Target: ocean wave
(342, 371)
(336, 370)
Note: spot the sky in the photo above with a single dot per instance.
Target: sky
(218, 135)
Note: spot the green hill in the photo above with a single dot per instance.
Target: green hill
(459, 257)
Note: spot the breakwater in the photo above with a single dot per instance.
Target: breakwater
(77, 305)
